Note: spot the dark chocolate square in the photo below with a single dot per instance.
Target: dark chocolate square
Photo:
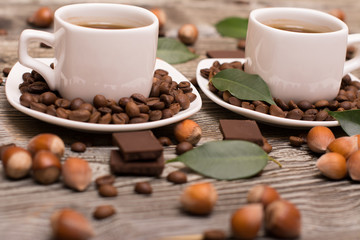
(247, 130)
(147, 168)
(141, 145)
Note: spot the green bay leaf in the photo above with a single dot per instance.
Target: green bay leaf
(234, 27)
(173, 51)
(225, 160)
(243, 85)
(349, 121)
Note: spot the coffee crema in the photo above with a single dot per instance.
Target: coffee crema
(297, 26)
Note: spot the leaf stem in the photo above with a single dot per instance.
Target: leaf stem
(275, 161)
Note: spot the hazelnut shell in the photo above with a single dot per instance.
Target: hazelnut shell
(319, 138)
(263, 194)
(344, 145)
(47, 141)
(353, 166)
(246, 221)
(46, 167)
(188, 131)
(332, 165)
(76, 173)
(17, 162)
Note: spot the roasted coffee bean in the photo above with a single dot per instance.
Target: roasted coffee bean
(125, 117)
(117, 119)
(62, 113)
(321, 104)
(175, 108)
(351, 96)
(345, 105)
(191, 96)
(205, 73)
(107, 190)
(132, 109)
(177, 177)
(78, 147)
(48, 98)
(183, 147)
(304, 105)
(235, 101)
(262, 108)
(99, 101)
(6, 71)
(341, 98)
(247, 105)
(106, 119)
(155, 115)
(80, 115)
(76, 103)
(165, 141)
(144, 108)
(226, 95)
(116, 108)
(143, 117)
(281, 104)
(225, 66)
(37, 76)
(309, 117)
(311, 111)
(38, 87)
(110, 102)
(161, 72)
(62, 103)
(139, 98)
(346, 80)
(184, 84)
(296, 114)
(165, 88)
(296, 141)
(158, 106)
(155, 90)
(356, 84)
(183, 100)
(212, 88)
(167, 79)
(214, 234)
(321, 115)
(95, 117)
(23, 87)
(105, 179)
(104, 110)
(51, 110)
(25, 99)
(38, 106)
(104, 211)
(123, 101)
(266, 146)
(167, 99)
(292, 105)
(143, 188)
(276, 111)
(167, 113)
(87, 106)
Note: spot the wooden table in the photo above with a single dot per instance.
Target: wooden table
(330, 209)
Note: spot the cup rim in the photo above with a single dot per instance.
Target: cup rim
(255, 13)
(60, 11)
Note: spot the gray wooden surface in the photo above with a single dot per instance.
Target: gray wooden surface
(330, 209)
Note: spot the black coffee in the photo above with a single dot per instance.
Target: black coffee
(296, 26)
(103, 25)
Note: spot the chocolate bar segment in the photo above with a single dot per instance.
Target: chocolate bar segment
(141, 145)
(147, 168)
(246, 130)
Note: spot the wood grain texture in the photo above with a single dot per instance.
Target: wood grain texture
(330, 209)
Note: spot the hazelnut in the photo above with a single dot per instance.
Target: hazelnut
(161, 16)
(358, 138)
(263, 194)
(70, 225)
(188, 131)
(338, 13)
(16, 162)
(188, 34)
(267, 146)
(46, 167)
(353, 166)
(319, 138)
(42, 18)
(246, 221)
(47, 141)
(199, 198)
(344, 145)
(332, 165)
(76, 173)
(183, 147)
(283, 219)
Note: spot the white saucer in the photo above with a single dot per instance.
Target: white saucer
(13, 94)
(261, 117)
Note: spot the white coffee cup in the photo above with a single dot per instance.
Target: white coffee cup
(295, 65)
(89, 61)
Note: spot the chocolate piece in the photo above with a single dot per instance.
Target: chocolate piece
(225, 54)
(147, 168)
(246, 130)
(141, 145)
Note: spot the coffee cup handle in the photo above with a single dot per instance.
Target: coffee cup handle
(353, 63)
(25, 59)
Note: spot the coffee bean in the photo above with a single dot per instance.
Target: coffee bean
(296, 141)
(155, 115)
(161, 72)
(321, 115)
(177, 177)
(106, 119)
(292, 105)
(165, 141)
(158, 106)
(86, 106)
(95, 117)
(184, 84)
(167, 99)
(321, 104)
(276, 111)
(214, 234)
(104, 211)
(62, 113)
(183, 100)
(341, 98)
(125, 117)
(235, 101)
(143, 117)
(304, 105)
(104, 110)
(167, 113)
(345, 105)
(25, 99)
(38, 87)
(48, 98)
(247, 105)
(183, 147)
(78, 147)
(80, 115)
(76, 103)
(123, 101)
(38, 106)
(262, 108)
(143, 188)
(116, 108)
(309, 117)
(281, 104)
(62, 103)
(107, 190)
(106, 179)
(132, 109)
(139, 98)
(165, 88)
(191, 96)
(295, 114)
(175, 108)
(51, 110)
(99, 101)
(226, 95)
(117, 119)
(155, 90)
(144, 108)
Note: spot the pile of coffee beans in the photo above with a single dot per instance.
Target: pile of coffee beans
(348, 98)
(166, 99)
